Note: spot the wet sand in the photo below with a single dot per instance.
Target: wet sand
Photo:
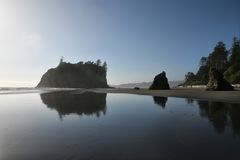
(201, 94)
(194, 93)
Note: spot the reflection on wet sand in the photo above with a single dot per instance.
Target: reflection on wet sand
(189, 101)
(66, 103)
(161, 101)
(221, 114)
(134, 127)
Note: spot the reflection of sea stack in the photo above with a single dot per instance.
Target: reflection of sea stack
(66, 103)
(221, 115)
(160, 82)
(161, 101)
(217, 82)
(79, 75)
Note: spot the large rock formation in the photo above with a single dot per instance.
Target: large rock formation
(160, 82)
(79, 75)
(217, 82)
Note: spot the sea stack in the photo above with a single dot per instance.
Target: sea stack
(217, 82)
(160, 82)
(79, 75)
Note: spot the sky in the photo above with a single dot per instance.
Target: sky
(137, 38)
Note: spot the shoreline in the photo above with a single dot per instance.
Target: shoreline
(192, 93)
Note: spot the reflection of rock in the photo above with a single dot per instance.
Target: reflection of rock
(160, 82)
(221, 114)
(217, 82)
(189, 101)
(66, 103)
(161, 101)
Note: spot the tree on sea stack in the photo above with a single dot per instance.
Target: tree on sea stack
(61, 60)
(160, 82)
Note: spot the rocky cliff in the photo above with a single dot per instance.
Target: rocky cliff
(79, 75)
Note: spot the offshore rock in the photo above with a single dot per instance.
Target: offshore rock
(160, 82)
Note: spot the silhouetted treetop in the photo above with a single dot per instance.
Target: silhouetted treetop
(218, 58)
(203, 61)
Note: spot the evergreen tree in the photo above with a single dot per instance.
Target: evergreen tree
(235, 52)
(232, 74)
(189, 76)
(203, 61)
(218, 58)
(98, 62)
(105, 65)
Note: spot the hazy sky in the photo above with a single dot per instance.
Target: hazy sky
(137, 38)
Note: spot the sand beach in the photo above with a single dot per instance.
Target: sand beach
(194, 93)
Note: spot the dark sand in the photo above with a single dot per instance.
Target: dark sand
(201, 94)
